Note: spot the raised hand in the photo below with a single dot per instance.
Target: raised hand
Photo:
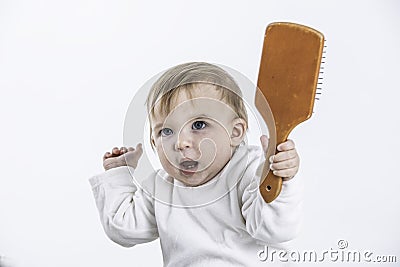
(122, 157)
(286, 162)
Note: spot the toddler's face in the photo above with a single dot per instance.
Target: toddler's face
(197, 138)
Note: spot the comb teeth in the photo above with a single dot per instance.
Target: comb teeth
(320, 76)
(321, 72)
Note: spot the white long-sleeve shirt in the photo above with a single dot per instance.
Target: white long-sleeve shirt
(224, 222)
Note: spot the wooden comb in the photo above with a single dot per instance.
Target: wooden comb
(287, 80)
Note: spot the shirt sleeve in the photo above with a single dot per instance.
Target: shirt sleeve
(278, 221)
(126, 211)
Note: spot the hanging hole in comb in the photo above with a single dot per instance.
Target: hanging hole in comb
(268, 187)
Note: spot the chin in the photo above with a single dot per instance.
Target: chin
(193, 182)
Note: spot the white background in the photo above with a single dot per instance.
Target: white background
(69, 69)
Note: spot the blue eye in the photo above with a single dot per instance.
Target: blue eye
(166, 132)
(198, 125)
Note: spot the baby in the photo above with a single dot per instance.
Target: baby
(204, 203)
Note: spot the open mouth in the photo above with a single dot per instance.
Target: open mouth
(188, 167)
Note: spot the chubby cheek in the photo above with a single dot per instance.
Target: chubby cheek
(224, 152)
(164, 157)
(222, 142)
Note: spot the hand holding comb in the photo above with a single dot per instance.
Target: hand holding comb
(287, 80)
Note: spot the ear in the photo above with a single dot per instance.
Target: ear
(238, 133)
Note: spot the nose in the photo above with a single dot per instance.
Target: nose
(184, 140)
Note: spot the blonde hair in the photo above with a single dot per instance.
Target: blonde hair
(185, 77)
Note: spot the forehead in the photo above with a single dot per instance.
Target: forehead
(203, 101)
(183, 94)
(196, 91)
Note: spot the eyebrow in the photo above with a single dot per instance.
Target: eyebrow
(201, 116)
(158, 125)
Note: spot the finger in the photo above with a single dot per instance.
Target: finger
(285, 155)
(115, 151)
(106, 155)
(282, 165)
(123, 150)
(287, 173)
(264, 142)
(139, 147)
(272, 159)
(288, 145)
